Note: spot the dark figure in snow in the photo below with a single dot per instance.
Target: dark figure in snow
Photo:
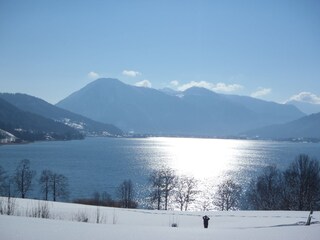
(205, 221)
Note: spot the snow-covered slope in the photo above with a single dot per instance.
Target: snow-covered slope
(6, 137)
(151, 224)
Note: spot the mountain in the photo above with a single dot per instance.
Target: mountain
(45, 109)
(307, 127)
(306, 107)
(267, 112)
(19, 125)
(142, 110)
(194, 112)
(216, 112)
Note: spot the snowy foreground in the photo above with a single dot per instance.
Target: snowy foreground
(65, 223)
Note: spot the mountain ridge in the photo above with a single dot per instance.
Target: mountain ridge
(306, 107)
(195, 112)
(307, 127)
(40, 107)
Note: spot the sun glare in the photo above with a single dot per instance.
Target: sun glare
(201, 158)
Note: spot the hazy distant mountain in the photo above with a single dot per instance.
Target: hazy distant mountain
(217, 112)
(196, 111)
(18, 124)
(306, 127)
(268, 112)
(45, 109)
(308, 108)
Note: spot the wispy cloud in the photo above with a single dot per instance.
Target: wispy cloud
(144, 83)
(93, 75)
(307, 97)
(222, 87)
(216, 87)
(174, 83)
(261, 92)
(130, 73)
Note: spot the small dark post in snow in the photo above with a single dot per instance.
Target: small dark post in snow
(309, 218)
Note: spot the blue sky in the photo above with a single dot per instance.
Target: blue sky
(266, 49)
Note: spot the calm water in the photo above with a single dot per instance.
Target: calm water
(101, 164)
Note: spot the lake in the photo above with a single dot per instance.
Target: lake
(101, 164)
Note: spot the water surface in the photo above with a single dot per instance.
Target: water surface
(101, 164)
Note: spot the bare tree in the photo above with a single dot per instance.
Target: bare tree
(3, 181)
(23, 177)
(45, 182)
(59, 186)
(266, 193)
(97, 198)
(205, 196)
(126, 194)
(205, 200)
(228, 195)
(162, 184)
(54, 183)
(185, 191)
(169, 177)
(302, 180)
(157, 188)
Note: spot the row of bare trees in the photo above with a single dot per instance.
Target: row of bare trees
(166, 186)
(296, 188)
(21, 183)
(182, 191)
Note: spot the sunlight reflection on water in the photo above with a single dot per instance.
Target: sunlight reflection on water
(203, 158)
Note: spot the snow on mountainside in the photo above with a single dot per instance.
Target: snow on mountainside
(27, 126)
(117, 224)
(6, 137)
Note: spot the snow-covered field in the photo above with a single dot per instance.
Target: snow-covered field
(64, 223)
